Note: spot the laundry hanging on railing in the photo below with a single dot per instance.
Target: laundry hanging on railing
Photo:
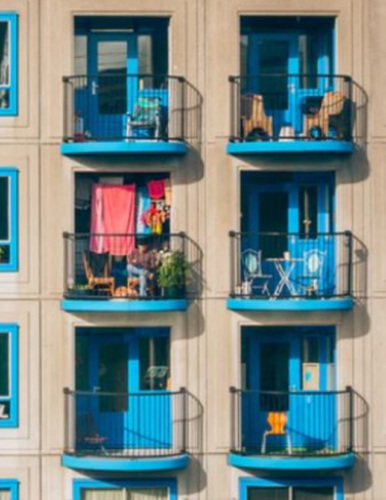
(113, 213)
(143, 205)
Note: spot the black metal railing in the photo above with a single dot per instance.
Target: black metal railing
(291, 265)
(285, 107)
(302, 423)
(116, 107)
(143, 424)
(130, 266)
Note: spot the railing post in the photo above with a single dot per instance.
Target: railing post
(184, 419)
(232, 238)
(351, 418)
(68, 442)
(232, 109)
(350, 263)
(233, 393)
(183, 107)
(350, 109)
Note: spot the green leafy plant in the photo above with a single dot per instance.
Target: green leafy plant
(173, 273)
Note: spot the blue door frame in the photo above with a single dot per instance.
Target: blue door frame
(132, 426)
(299, 246)
(255, 411)
(292, 116)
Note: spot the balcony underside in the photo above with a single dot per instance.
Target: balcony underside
(122, 305)
(124, 147)
(333, 304)
(267, 462)
(175, 462)
(290, 146)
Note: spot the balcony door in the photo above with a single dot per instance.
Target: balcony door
(300, 214)
(127, 382)
(287, 66)
(291, 372)
(113, 56)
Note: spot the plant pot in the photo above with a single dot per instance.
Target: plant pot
(80, 293)
(173, 292)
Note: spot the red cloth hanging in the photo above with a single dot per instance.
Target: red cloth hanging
(156, 189)
(114, 214)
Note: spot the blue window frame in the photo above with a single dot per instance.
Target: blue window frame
(10, 486)
(8, 64)
(9, 374)
(250, 485)
(8, 220)
(82, 485)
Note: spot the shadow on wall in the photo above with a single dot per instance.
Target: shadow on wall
(360, 282)
(359, 479)
(193, 115)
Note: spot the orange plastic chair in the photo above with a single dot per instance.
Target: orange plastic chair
(277, 420)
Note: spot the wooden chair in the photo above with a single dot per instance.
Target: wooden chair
(277, 420)
(105, 283)
(253, 115)
(333, 105)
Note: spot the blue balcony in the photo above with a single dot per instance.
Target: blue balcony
(122, 432)
(128, 272)
(291, 113)
(291, 272)
(125, 114)
(292, 431)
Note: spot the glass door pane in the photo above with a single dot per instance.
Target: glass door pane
(311, 493)
(148, 494)
(113, 376)
(274, 375)
(4, 365)
(4, 209)
(273, 218)
(268, 494)
(103, 494)
(112, 69)
(273, 60)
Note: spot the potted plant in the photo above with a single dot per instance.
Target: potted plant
(172, 275)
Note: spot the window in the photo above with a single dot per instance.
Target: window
(296, 493)
(291, 489)
(9, 489)
(8, 220)
(8, 376)
(161, 489)
(8, 64)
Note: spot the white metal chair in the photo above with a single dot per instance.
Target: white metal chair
(312, 271)
(251, 261)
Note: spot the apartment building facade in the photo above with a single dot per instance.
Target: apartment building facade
(191, 231)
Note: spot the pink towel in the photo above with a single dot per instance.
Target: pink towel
(97, 226)
(113, 212)
(156, 189)
(119, 218)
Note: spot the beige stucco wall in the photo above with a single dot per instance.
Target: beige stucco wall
(206, 194)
